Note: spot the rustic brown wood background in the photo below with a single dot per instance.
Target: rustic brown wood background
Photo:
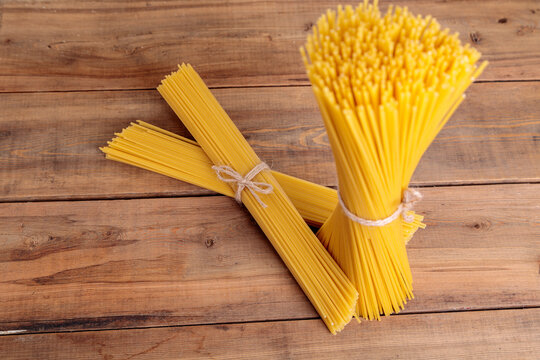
(103, 260)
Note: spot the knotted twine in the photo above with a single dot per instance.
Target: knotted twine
(410, 198)
(244, 182)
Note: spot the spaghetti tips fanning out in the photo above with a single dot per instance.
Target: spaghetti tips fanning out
(385, 85)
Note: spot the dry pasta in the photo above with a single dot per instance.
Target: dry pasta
(385, 85)
(155, 149)
(322, 280)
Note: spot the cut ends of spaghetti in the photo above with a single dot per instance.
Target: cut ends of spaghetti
(385, 84)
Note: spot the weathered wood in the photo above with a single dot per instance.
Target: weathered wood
(49, 141)
(197, 261)
(148, 262)
(504, 334)
(65, 45)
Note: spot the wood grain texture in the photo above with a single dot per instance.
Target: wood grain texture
(65, 45)
(49, 141)
(504, 334)
(151, 262)
(194, 277)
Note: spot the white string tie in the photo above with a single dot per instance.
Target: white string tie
(410, 198)
(229, 175)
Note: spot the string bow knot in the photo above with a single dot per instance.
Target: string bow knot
(229, 175)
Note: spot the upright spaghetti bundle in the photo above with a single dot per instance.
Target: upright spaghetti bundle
(324, 283)
(155, 149)
(385, 85)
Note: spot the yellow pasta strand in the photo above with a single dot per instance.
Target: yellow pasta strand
(321, 279)
(385, 85)
(152, 148)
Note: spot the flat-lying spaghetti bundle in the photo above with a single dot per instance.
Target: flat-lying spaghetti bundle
(323, 282)
(385, 85)
(152, 148)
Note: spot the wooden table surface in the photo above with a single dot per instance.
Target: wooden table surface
(100, 260)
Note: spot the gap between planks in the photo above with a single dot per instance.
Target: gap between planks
(229, 87)
(479, 335)
(22, 332)
(209, 193)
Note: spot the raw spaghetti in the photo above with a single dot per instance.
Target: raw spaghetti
(322, 280)
(385, 85)
(158, 150)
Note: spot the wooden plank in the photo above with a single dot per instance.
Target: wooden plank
(126, 45)
(504, 334)
(130, 263)
(49, 141)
